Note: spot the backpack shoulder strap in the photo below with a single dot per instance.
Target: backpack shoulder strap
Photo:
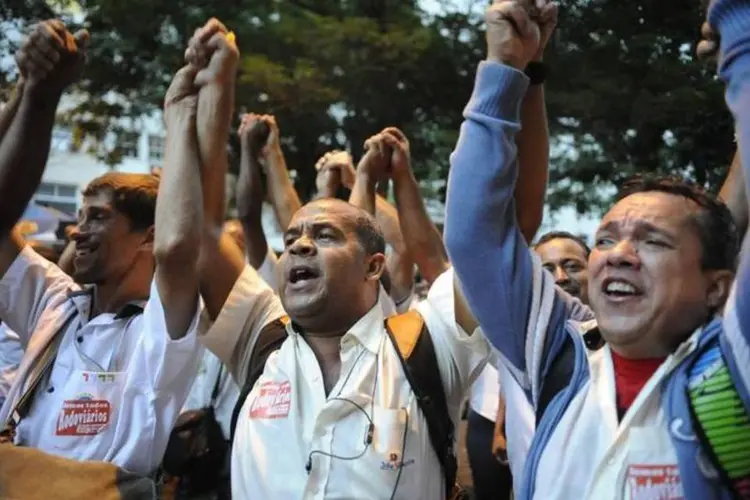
(269, 341)
(413, 343)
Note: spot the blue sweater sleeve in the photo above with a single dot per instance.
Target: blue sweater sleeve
(503, 283)
(731, 18)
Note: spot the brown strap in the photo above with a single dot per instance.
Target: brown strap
(406, 329)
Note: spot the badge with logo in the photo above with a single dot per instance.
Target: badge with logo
(655, 481)
(83, 416)
(274, 400)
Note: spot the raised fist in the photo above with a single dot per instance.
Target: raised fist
(376, 162)
(50, 57)
(708, 47)
(213, 51)
(258, 133)
(396, 141)
(546, 17)
(181, 101)
(513, 38)
(340, 161)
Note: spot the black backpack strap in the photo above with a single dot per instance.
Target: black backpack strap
(269, 341)
(413, 343)
(561, 370)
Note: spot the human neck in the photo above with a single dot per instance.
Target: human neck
(112, 295)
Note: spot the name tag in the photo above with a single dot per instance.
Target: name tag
(654, 481)
(274, 400)
(82, 417)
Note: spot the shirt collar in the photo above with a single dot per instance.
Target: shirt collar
(368, 330)
(84, 297)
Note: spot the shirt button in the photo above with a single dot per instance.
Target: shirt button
(50, 389)
(611, 461)
(79, 338)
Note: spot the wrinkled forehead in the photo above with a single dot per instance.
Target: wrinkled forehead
(560, 249)
(333, 213)
(660, 210)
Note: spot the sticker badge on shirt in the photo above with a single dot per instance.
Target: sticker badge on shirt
(83, 416)
(274, 400)
(654, 481)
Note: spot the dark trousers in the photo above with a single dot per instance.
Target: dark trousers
(492, 480)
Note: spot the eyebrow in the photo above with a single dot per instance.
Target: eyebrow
(640, 226)
(317, 226)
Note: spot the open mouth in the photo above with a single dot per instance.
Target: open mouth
(300, 275)
(616, 288)
(84, 250)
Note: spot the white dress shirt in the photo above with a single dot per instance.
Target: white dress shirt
(210, 370)
(11, 353)
(289, 411)
(118, 382)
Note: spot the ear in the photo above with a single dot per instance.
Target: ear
(719, 284)
(147, 245)
(375, 266)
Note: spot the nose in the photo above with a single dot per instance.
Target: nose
(560, 275)
(75, 233)
(624, 254)
(303, 247)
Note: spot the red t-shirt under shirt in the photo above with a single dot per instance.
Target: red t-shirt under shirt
(630, 377)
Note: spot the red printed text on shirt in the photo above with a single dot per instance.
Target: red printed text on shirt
(654, 482)
(274, 400)
(83, 417)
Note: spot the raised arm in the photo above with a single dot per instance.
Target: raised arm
(731, 19)
(533, 145)
(734, 195)
(279, 186)
(213, 50)
(253, 134)
(498, 276)
(50, 59)
(179, 208)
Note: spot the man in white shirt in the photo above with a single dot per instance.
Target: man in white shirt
(106, 367)
(334, 397)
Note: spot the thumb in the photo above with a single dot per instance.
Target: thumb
(82, 39)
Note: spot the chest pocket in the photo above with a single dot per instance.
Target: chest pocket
(378, 453)
(86, 417)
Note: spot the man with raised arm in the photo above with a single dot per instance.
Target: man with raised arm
(107, 366)
(628, 420)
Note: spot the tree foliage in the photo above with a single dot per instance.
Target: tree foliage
(624, 94)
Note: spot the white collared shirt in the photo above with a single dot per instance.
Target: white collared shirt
(288, 421)
(211, 370)
(11, 354)
(118, 382)
(591, 455)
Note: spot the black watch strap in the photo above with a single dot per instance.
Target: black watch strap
(537, 72)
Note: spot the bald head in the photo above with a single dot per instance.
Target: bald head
(364, 225)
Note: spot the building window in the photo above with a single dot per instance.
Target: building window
(63, 197)
(155, 147)
(128, 143)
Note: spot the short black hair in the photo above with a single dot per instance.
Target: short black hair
(714, 223)
(369, 234)
(133, 195)
(563, 235)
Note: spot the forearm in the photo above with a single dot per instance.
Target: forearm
(364, 193)
(490, 255)
(533, 162)
(281, 192)
(422, 238)
(734, 195)
(24, 150)
(215, 106)
(10, 108)
(250, 209)
(179, 206)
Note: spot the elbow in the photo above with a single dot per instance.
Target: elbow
(178, 251)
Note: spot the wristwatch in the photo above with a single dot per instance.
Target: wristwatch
(537, 72)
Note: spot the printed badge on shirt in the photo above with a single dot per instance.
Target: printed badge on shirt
(83, 416)
(655, 482)
(274, 400)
